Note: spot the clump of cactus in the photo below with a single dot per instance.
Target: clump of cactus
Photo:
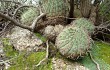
(28, 16)
(84, 23)
(73, 42)
(55, 8)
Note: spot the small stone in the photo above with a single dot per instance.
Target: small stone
(60, 64)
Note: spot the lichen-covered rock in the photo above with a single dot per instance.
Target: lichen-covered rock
(23, 39)
(60, 64)
(52, 31)
(84, 23)
(73, 42)
(49, 32)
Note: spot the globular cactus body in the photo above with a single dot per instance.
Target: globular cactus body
(29, 16)
(55, 8)
(73, 42)
(84, 23)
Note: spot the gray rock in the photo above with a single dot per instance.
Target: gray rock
(23, 39)
(52, 31)
(60, 64)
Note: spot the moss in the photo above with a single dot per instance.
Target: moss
(41, 37)
(48, 66)
(8, 48)
(27, 62)
(24, 60)
(103, 49)
(101, 54)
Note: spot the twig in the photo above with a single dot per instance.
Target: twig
(22, 7)
(97, 65)
(15, 22)
(47, 54)
(31, 28)
(36, 20)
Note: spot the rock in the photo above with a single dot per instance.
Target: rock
(49, 32)
(52, 31)
(23, 39)
(60, 64)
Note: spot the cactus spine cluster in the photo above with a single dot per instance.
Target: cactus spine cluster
(28, 16)
(55, 8)
(73, 42)
(84, 23)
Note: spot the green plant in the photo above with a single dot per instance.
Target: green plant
(73, 42)
(28, 16)
(101, 54)
(8, 48)
(28, 62)
(41, 37)
(104, 9)
(55, 8)
(84, 23)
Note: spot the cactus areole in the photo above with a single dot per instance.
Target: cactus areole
(73, 42)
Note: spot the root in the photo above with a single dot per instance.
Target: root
(97, 65)
(46, 58)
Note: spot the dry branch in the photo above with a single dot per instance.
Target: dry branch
(36, 20)
(46, 57)
(15, 22)
(19, 24)
(98, 67)
(22, 7)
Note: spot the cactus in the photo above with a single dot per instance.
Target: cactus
(85, 7)
(28, 16)
(73, 42)
(83, 22)
(55, 8)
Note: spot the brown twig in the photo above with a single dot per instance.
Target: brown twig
(15, 22)
(31, 28)
(36, 20)
(46, 57)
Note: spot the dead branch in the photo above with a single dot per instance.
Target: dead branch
(98, 67)
(15, 22)
(36, 20)
(19, 24)
(46, 57)
(22, 7)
